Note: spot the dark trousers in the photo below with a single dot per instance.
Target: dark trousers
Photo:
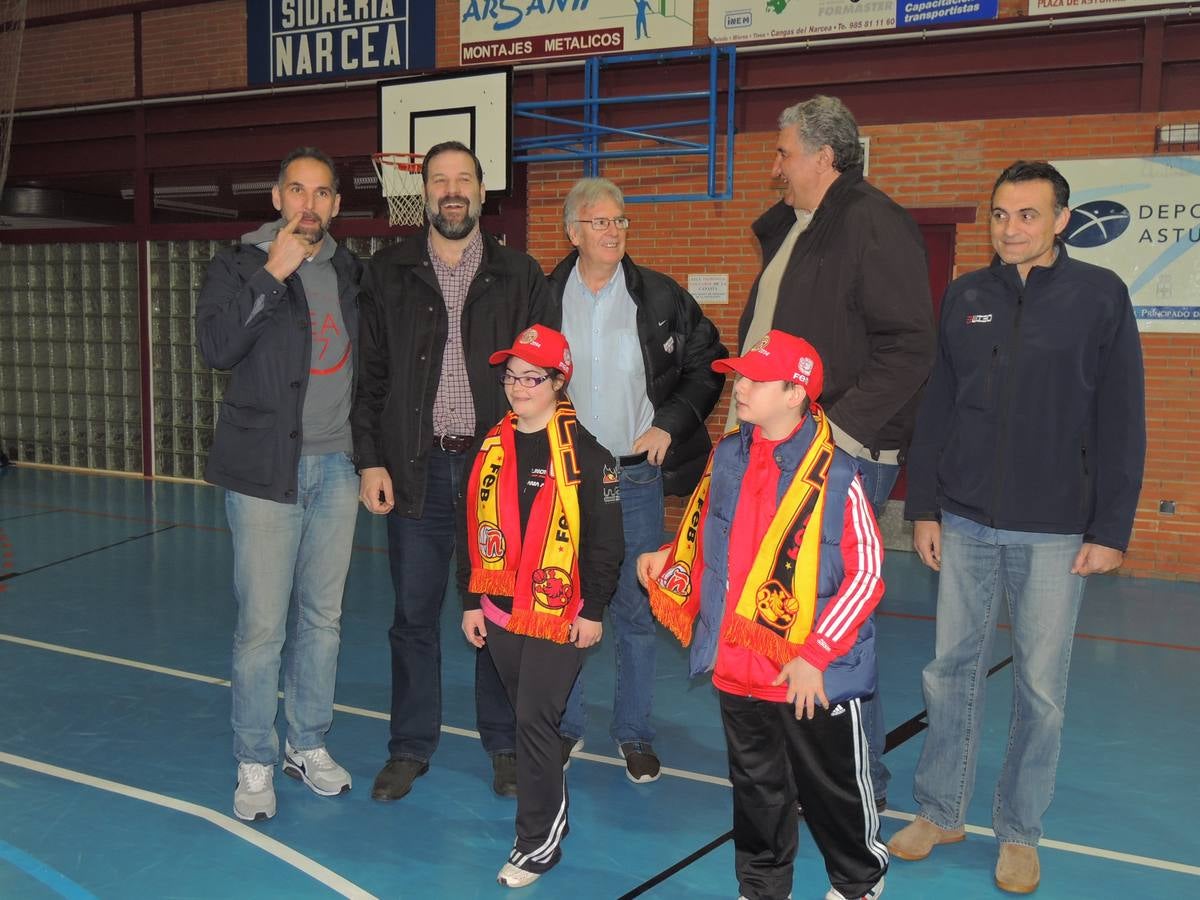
(538, 675)
(776, 760)
(419, 551)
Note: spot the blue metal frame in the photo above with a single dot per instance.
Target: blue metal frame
(583, 144)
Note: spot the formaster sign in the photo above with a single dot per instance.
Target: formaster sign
(505, 31)
(294, 40)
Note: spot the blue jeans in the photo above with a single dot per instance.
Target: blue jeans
(290, 556)
(878, 479)
(978, 571)
(629, 616)
(419, 552)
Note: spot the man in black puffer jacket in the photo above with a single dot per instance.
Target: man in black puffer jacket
(643, 385)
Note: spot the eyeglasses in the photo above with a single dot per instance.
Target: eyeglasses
(601, 223)
(526, 381)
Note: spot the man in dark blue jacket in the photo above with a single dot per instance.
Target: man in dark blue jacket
(280, 312)
(1024, 475)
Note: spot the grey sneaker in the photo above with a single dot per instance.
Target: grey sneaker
(317, 769)
(255, 795)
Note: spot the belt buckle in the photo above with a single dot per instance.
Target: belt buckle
(442, 443)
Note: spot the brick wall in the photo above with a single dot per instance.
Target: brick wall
(923, 164)
(194, 48)
(78, 62)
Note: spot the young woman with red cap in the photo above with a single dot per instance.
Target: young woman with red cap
(544, 547)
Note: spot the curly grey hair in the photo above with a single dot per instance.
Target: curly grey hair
(826, 120)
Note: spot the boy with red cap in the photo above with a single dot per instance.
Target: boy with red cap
(544, 548)
(777, 564)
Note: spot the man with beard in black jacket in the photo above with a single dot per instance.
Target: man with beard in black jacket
(434, 308)
(643, 385)
(844, 267)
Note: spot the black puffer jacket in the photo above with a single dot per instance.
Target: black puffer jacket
(856, 287)
(680, 382)
(404, 329)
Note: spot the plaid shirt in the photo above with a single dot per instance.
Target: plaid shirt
(454, 405)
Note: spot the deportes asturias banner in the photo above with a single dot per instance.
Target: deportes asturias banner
(508, 31)
(1140, 217)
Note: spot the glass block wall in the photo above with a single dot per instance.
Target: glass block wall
(70, 389)
(70, 384)
(186, 392)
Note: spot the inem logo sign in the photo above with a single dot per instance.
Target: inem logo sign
(738, 18)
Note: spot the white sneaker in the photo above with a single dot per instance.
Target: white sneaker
(317, 769)
(255, 795)
(873, 894)
(515, 877)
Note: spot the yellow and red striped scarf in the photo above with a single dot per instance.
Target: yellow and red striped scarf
(774, 613)
(540, 569)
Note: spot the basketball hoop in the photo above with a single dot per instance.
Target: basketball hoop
(400, 180)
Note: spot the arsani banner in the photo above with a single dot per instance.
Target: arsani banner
(1140, 217)
(507, 31)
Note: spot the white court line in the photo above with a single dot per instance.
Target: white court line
(281, 851)
(1080, 849)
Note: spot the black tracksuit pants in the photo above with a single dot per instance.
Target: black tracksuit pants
(776, 760)
(538, 675)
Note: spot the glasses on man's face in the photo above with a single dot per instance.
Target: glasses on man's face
(601, 223)
(525, 381)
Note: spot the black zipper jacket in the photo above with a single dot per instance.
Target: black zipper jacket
(679, 345)
(857, 288)
(404, 330)
(1034, 418)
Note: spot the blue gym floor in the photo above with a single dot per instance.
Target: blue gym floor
(117, 776)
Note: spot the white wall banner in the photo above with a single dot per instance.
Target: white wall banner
(1140, 217)
(774, 20)
(1059, 7)
(506, 31)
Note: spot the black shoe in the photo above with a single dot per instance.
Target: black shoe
(569, 746)
(504, 767)
(396, 778)
(641, 762)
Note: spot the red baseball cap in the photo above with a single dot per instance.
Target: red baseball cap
(540, 345)
(780, 357)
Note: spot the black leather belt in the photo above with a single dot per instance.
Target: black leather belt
(453, 443)
(635, 460)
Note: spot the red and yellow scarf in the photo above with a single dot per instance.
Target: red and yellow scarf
(540, 569)
(774, 613)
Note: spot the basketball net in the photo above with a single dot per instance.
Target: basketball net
(12, 30)
(402, 186)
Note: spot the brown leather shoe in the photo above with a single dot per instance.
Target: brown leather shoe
(1017, 869)
(915, 840)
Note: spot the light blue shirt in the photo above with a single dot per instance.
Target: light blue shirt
(608, 386)
(987, 535)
